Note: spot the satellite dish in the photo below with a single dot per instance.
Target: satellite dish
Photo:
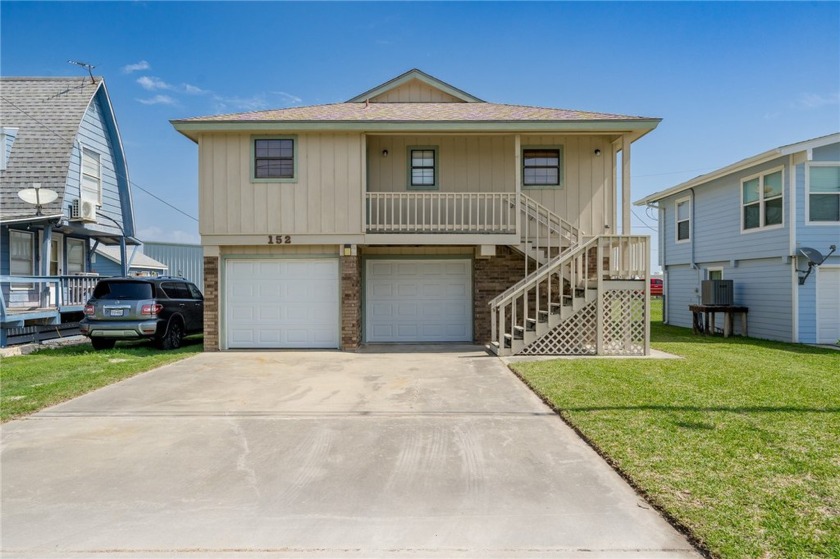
(38, 196)
(813, 258)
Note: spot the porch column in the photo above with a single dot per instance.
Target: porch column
(44, 264)
(625, 185)
(123, 259)
(517, 168)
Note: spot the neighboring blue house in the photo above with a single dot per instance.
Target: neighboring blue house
(107, 262)
(747, 222)
(58, 135)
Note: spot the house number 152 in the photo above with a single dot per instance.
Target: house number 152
(279, 239)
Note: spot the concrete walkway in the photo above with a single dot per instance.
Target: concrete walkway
(403, 452)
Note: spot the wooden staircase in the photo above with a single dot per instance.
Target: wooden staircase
(579, 295)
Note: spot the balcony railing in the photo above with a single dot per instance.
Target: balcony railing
(24, 293)
(441, 212)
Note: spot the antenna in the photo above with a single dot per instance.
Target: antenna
(86, 66)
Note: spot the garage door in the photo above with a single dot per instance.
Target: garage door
(281, 303)
(418, 301)
(828, 305)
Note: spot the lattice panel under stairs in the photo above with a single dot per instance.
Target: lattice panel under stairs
(574, 336)
(624, 322)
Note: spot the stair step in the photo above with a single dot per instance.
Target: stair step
(508, 340)
(531, 323)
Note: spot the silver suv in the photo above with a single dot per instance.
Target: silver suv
(164, 309)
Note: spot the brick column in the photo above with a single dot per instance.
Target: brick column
(492, 276)
(351, 303)
(211, 303)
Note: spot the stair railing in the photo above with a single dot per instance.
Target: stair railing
(544, 233)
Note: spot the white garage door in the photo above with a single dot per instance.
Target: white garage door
(281, 303)
(828, 305)
(418, 301)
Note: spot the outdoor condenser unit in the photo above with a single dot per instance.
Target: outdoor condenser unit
(717, 292)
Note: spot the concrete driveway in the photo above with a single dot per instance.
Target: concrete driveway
(400, 452)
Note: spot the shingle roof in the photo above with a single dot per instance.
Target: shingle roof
(414, 112)
(47, 113)
(140, 260)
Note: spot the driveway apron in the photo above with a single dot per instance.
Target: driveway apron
(393, 452)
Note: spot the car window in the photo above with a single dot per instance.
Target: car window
(123, 290)
(196, 294)
(175, 290)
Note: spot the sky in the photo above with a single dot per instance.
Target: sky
(729, 79)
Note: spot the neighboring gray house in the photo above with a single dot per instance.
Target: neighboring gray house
(747, 222)
(107, 262)
(58, 135)
(184, 260)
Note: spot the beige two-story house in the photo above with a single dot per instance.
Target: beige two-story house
(418, 213)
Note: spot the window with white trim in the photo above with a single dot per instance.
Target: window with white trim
(823, 193)
(21, 261)
(761, 201)
(423, 167)
(714, 273)
(91, 176)
(75, 256)
(683, 219)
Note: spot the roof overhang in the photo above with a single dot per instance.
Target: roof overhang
(635, 128)
(30, 219)
(740, 166)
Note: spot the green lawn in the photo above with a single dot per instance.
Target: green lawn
(29, 383)
(739, 441)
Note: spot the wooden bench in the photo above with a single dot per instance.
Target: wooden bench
(703, 319)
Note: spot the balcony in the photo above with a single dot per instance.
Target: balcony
(489, 214)
(42, 297)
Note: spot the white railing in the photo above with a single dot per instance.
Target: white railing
(544, 234)
(565, 285)
(18, 293)
(441, 212)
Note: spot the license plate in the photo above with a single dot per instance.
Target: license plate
(115, 312)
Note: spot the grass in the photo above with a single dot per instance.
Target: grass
(738, 442)
(32, 382)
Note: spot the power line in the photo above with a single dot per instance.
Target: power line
(131, 182)
(644, 223)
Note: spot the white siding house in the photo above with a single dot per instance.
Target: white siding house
(746, 223)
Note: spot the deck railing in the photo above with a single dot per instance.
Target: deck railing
(22, 293)
(441, 212)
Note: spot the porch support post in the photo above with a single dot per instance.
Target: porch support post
(44, 264)
(123, 259)
(625, 185)
(517, 181)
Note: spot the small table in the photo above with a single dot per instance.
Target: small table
(703, 318)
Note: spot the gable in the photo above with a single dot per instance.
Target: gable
(419, 84)
(415, 91)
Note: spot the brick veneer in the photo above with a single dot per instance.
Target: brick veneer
(351, 303)
(491, 276)
(211, 303)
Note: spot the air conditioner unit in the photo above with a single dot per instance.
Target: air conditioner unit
(83, 210)
(717, 292)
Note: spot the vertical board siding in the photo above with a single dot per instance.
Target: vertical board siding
(415, 91)
(325, 198)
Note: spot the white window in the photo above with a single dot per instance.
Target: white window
(21, 262)
(91, 176)
(761, 200)
(823, 193)
(683, 217)
(75, 256)
(714, 273)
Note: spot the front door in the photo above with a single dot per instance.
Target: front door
(56, 255)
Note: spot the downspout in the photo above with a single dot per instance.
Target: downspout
(691, 231)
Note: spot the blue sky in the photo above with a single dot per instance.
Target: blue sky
(730, 80)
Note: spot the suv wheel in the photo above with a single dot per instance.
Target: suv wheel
(103, 343)
(173, 336)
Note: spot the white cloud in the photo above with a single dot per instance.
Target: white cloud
(152, 83)
(288, 97)
(159, 100)
(808, 101)
(142, 65)
(193, 90)
(153, 233)
(253, 103)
